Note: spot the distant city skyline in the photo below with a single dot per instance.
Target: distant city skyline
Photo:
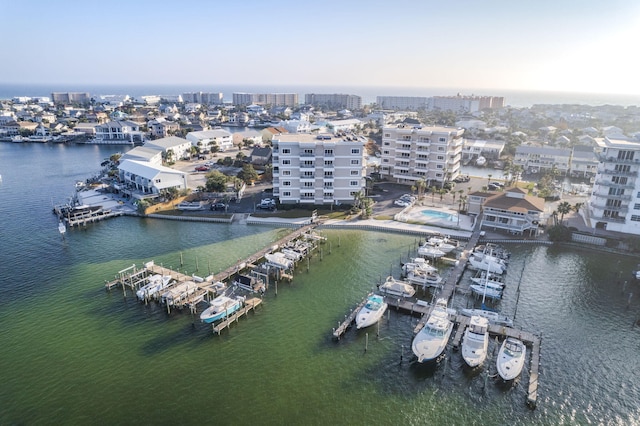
(570, 46)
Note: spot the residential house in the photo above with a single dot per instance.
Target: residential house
(512, 210)
(207, 138)
(145, 153)
(161, 128)
(474, 148)
(180, 148)
(141, 179)
(270, 132)
(119, 132)
(584, 161)
(260, 156)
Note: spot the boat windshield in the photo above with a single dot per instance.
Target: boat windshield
(373, 305)
(513, 349)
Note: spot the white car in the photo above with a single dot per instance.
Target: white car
(402, 203)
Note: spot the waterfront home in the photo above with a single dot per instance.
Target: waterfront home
(141, 179)
(162, 128)
(512, 210)
(535, 159)
(145, 153)
(119, 132)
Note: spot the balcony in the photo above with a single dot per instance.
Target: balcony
(603, 206)
(615, 160)
(608, 219)
(307, 166)
(608, 183)
(619, 173)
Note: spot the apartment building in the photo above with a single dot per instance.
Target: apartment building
(273, 99)
(335, 100)
(203, 98)
(615, 200)
(538, 159)
(70, 97)
(460, 103)
(409, 103)
(410, 154)
(318, 169)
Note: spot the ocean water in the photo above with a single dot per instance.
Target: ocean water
(73, 353)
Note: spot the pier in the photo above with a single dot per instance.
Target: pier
(348, 319)
(249, 304)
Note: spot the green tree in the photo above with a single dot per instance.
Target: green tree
(248, 174)
(216, 181)
(564, 208)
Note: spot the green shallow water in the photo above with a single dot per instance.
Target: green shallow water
(73, 353)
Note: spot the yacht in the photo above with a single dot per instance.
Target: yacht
(475, 341)
(393, 287)
(432, 339)
(511, 358)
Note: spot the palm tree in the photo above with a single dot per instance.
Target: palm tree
(421, 185)
(564, 208)
(577, 207)
(489, 179)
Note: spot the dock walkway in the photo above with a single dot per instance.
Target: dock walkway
(249, 304)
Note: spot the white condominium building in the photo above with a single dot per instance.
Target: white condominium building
(410, 154)
(615, 201)
(318, 169)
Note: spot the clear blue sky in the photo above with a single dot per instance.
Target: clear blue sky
(575, 46)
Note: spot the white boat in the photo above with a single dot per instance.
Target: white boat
(393, 287)
(221, 307)
(491, 284)
(279, 260)
(444, 244)
(179, 292)
(487, 263)
(420, 264)
(511, 358)
(156, 284)
(493, 317)
(291, 254)
(484, 291)
(481, 161)
(475, 341)
(432, 339)
(430, 251)
(371, 312)
(425, 279)
(62, 228)
(186, 205)
(495, 279)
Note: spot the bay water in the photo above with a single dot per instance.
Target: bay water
(72, 353)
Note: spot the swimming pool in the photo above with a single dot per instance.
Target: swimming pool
(435, 214)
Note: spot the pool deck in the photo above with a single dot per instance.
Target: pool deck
(413, 214)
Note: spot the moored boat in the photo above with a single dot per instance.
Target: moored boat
(393, 287)
(425, 279)
(487, 263)
(493, 317)
(511, 358)
(279, 260)
(420, 264)
(249, 283)
(221, 307)
(430, 251)
(156, 284)
(371, 312)
(484, 291)
(475, 341)
(432, 339)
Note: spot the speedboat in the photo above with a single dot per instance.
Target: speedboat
(187, 205)
(493, 279)
(511, 358)
(371, 312)
(430, 251)
(493, 317)
(432, 339)
(156, 284)
(221, 307)
(179, 292)
(393, 287)
(475, 341)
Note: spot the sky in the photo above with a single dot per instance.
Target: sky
(543, 45)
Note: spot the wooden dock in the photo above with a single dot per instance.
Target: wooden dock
(249, 304)
(348, 319)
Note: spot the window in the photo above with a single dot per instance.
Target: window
(636, 206)
(440, 157)
(285, 151)
(387, 135)
(286, 194)
(328, 152)
(328, 174)
(355, 150)
(286, 172)
(355, 162)
(442, 139)
(286, 183)
(328, 184)
(635, 218)
(308, 185)
(355, 173)
(286, 162)
(328, 163)
(353, 183)
(308, 152)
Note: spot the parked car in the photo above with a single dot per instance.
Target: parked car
(202, 168)
(409, 198)
(219, 206)
(493, 187)
(500, 184)
(462, 178)
(267, 204)
(402, 203)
